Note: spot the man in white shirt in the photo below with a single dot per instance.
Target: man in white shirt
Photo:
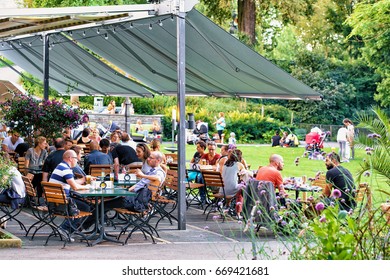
(11, 142)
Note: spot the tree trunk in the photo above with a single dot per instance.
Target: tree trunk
(247, 18)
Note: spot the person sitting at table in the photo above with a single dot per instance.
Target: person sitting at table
(21, 149)
(16, 194)
(104, 145)
(156, 146)
(193, 174)
(84, 139)
(339, 178)
(155, 176)
(95, 157)
(10, 143)
(115, 140)
(230, 171)
(78, 172)
(34, 159)
(53, 159)
(143, 152)
(272, 173)
(63, 174)
(211, 157)
(95, 136)
(224, 156)
(68, 143)
(123, 154)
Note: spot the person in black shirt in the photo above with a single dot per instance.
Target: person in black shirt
(53, 159)
(124, 154)
(339, 178)
(275, 139)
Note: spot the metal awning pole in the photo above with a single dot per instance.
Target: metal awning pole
(181, 91)
(46, 61)
(126, 114)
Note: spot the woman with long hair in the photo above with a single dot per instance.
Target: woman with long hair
(34, 159)
(143, 152)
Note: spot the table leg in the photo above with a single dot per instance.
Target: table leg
(102, 234)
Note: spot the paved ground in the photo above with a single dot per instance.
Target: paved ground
(205, 240)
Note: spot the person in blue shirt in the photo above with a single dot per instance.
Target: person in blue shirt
(220, 123)
(95, 157)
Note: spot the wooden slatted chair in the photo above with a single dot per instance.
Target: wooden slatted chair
(213, 180)
(171, 155)
(96, 170)
(140, 220)
(173, 165)
(21, 165)
(55, 196)
(39, 211)
(132, 167)
(320, 181)
(86, 149)
(171, 185)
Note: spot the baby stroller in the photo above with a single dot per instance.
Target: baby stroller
(315, 144)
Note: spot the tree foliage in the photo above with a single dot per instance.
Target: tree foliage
(371, 21)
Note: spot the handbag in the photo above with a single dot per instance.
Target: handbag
(71, 208)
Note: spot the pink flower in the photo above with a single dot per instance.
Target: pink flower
(320, 206)
(336, 193)
(322, 219)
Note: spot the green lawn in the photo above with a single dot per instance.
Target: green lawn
(256, 155)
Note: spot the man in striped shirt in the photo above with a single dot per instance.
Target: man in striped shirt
(63, 175)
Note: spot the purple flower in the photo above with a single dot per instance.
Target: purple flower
(322, 219)
(220, 203)
(373, 135)
(239, 222)
(258, 212)
(239, 203)
(262, 192)
(283, 223)
(320, 206)
(336, 193)
(367, 174)
(272, 208)
(310, 199)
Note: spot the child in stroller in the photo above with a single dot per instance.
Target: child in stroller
(315, 142)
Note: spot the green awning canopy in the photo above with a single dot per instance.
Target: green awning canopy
(217, 64)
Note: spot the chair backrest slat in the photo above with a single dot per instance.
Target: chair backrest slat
(320, 181)
(54, 193)
(30, 190)
(171, 180)
(212, 178)
(97, 169)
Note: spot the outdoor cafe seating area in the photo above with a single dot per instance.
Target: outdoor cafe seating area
(120, 225)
